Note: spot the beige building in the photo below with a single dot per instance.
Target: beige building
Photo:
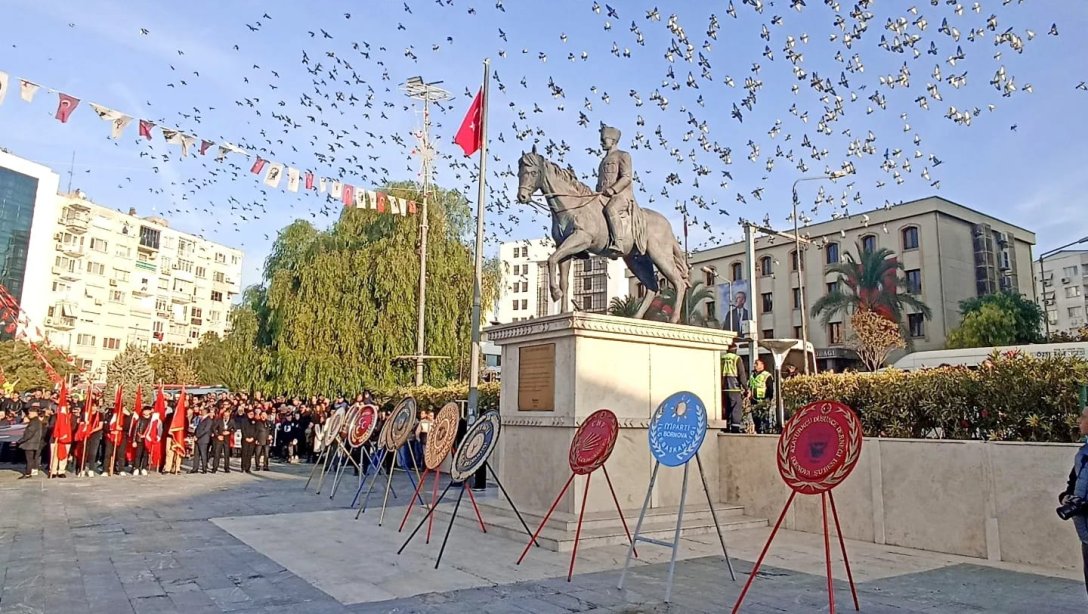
(949, 252)
(1063, 289)
(120, 279)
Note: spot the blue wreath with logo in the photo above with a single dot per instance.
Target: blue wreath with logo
(677, 429)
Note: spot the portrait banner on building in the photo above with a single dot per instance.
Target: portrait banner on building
(735, 300)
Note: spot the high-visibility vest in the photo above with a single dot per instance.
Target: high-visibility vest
(729, 372)
(758, 384)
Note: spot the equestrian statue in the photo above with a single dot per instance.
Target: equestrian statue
(604, 222)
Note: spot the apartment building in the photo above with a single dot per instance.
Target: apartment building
(950, 253)
(1063, 288)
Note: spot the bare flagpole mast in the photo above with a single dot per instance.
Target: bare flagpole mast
(477, 290)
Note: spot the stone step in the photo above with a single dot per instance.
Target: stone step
(599, 529)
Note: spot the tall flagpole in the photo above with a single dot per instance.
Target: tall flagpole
(474, 354)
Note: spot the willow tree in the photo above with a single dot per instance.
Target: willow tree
(338, 307)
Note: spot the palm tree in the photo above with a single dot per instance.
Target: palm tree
(661, 308)
(626, 307)
(871, 281)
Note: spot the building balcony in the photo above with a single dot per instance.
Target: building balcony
(66, 273)
(143, 246)
(146, 266)
(141, 291)
(72, 250)
(60, 323)
(75, 223)
(182, 297)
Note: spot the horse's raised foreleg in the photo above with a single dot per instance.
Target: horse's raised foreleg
(667, 266)
(564, 283)
(576, 243)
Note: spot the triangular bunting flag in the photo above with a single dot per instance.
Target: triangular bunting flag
(119, 120)
(145, 128)
(205, 145)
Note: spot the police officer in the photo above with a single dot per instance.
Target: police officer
(733, 378)
(760, 391)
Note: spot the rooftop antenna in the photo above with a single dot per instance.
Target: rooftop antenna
(71, 170)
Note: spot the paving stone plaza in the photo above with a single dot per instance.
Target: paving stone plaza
(260, 543)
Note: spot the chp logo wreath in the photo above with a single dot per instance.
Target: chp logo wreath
(789, 437)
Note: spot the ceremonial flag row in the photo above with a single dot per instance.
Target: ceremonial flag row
(273, 172)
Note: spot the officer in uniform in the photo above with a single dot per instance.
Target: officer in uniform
(760, 391)
(733, 378)
(614, 177)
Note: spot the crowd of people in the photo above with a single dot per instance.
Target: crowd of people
(108, 438)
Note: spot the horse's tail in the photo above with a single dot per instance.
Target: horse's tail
(680, 260)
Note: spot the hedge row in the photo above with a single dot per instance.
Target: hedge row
(1019, 398)
(429, 397)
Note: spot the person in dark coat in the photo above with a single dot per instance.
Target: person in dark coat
(223, 433)
(249, 439)
(31, 443)
(202, 436)
(262, 436)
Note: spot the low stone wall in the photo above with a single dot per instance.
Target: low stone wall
(989, 500)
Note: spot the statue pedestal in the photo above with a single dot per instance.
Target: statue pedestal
(557, 370)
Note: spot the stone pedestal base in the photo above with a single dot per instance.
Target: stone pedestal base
(600, 362)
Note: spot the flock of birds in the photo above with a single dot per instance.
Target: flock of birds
(714, 107)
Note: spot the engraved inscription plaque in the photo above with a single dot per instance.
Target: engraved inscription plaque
(536, 377)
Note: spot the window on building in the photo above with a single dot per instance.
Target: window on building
(710, 310)
(587, 303)
(1072, 291)
(194, 333)
(910, 238)
(916, 325)
(201, 272)
(156, 326)
(708, 277)
(587, 283)
(797, 332)
(1076, 312)
(219, 276)
(793, 260)
(217, 296)
(96, 268)
(524, 286)
(120, 275)
(868, 243)
(116, 296)
(832, 287)
(914, 281)
(516, 269)
(831, 253)
(99, 245)
(122, 251)
(220, 257)
(768, 333)
(515, 304)
(524, 303)
(736, 271)
(1069, 271)
(834, 333)
(164, 283)
(185, 265)
(195, 316)
(85, 340)
(235, 259)
(796, 298)
(162, 305)
(61, 287)
(768, 302)
(1052, 317)
(150, 237)
(766, 266)
(111, 343)
(213, 316)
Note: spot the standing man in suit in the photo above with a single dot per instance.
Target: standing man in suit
(738, 313)
(202, 435)
(223, 433)
(249, 439)
(31, 443)
(262, 435)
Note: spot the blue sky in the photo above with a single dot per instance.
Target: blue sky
(1032, 175)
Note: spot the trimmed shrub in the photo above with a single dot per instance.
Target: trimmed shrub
(1018, 398)
(429, 396)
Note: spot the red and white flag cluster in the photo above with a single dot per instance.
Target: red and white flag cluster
(15, 322)
(273, 172)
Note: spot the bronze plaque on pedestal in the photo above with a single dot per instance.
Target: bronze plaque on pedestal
(536, 377)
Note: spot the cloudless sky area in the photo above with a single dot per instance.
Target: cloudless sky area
(721, 104)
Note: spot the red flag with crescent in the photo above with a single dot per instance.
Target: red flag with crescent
(65, 107)
(470, 135)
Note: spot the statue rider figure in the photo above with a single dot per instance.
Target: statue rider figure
(614, 177)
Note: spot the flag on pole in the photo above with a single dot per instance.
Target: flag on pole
(65, 105)
(153, 438)
(177, 423)
(117, 421)
(62, 427)
(470, 135)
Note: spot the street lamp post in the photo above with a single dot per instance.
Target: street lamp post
(1042, 277)
(416, 88)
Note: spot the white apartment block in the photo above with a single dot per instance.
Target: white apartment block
(1063, 287)
(524, 290)
(120, 279)
(949, 252)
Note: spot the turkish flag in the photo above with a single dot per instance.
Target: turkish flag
(65, 107)
(145, 129)
(178, 422)
(470, 135)
(62, 425)
(258, 165)
(309, 180)
(204, 145)
(347, 194)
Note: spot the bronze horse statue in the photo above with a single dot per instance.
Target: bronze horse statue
(579, 229)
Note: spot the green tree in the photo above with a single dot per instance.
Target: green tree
(23, 368)
(1027, 316)
(337, 307)
(872, 282)
(129, 369)
(987, 326)
(625, 307)
(172, 365)
(211, 360)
